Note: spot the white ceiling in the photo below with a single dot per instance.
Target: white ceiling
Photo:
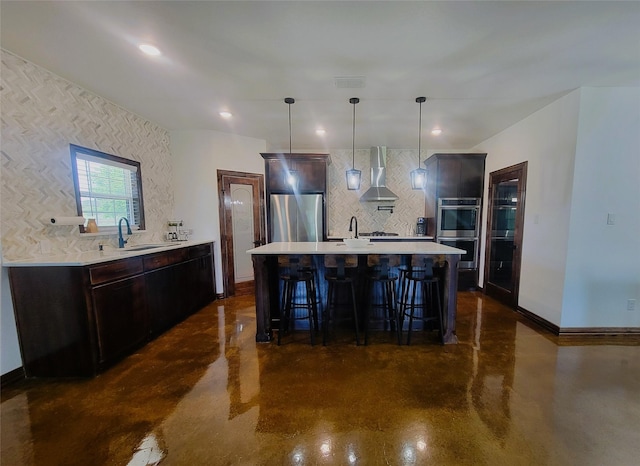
(482, 65)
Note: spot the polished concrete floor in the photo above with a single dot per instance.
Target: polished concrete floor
(205, 393)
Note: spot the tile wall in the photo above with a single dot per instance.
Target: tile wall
(342, 203)
(41, 115)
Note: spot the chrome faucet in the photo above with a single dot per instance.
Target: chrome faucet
(351, 225)
(121, 240)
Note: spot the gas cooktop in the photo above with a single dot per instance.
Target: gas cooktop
(378, 233)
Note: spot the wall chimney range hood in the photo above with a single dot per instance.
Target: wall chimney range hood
(378, 190)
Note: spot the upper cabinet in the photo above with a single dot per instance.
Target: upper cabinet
(310, 170)
(456, 175)
(452, 175)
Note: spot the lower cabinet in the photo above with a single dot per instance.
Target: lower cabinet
(167, 296)
(120, 310)
(76, 320)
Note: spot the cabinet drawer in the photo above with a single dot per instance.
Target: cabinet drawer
(115, 270)
(162, 259)
(199, 251)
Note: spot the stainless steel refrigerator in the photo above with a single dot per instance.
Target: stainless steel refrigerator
(296, 217)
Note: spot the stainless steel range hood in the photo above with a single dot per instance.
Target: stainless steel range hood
(378, 190)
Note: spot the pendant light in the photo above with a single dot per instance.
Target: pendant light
(353, 175)
(291, 176)
(419, 175)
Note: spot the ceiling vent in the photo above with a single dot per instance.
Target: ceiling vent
(349, 82)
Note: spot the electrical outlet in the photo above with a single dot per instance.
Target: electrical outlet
(611, 219)
(631, 305)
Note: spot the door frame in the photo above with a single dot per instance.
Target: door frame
(518, 171)
(225, 179)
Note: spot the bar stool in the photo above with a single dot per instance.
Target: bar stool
(418, 281)
(379, 274)
(337, 275)
(293, 274)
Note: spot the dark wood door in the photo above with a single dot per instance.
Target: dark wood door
(228, 238)
(505, 223)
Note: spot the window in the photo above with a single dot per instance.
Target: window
(107, 188)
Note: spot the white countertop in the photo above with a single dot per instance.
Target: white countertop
(335, 247)
(96, 257)
(386, 238)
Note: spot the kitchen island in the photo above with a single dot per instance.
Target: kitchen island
(267, 284)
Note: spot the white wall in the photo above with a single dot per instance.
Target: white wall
(547, 141)
(197, 155)
(583, 161)
(603, 261)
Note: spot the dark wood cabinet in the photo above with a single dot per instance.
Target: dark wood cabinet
(166, 296)
(310, 169)
(77, 320)
(311, 172)
(200, 272)
(452, 175)
(121, 318)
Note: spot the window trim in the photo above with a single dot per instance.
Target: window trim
(75, 150)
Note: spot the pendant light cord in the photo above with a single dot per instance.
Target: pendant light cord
(354, 101)
(420, 100)
(289, 129)
(289, 101)
(353, 140)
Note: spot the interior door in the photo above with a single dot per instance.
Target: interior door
(243, 230)
(242, 227)
(505, 222)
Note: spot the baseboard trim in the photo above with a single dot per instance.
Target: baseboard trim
(542, 322)
(12, 377)
(599, 331)
(578, 331)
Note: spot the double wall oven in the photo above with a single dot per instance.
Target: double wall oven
(458, 225)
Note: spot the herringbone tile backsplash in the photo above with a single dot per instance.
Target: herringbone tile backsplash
(41, 115)
(342, 203)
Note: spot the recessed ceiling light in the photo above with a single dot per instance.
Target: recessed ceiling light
(321, 132)
(436, 131)
(225, 115)
(149, 50)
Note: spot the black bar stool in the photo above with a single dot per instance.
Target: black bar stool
(379, 274)
(420, 290)
(340, 271)
(292, 274)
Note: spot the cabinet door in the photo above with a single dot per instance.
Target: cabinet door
(276, 175)
(312, 175)
(448, 177)
(471, 177)
(200, 283)
(168, 296)
(121, 317)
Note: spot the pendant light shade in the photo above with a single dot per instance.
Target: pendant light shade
(291, 176)
(419, 175)
(353, 176)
